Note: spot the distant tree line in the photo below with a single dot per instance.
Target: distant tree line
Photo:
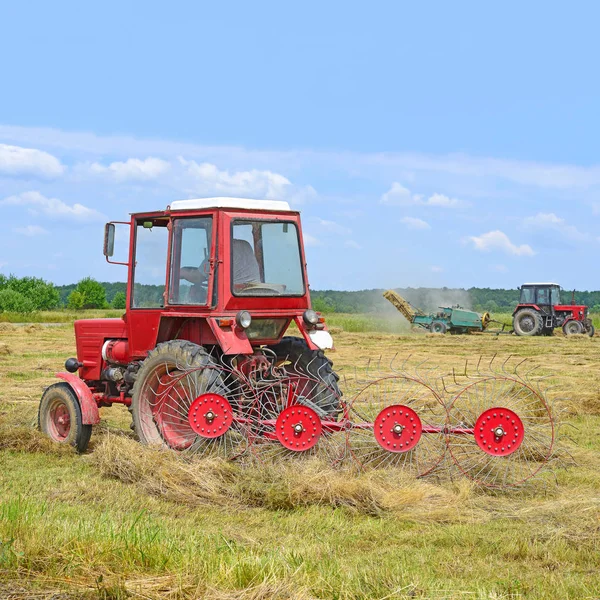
(28, 294)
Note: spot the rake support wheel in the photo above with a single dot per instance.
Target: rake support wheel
(500, 431)
(397, 421)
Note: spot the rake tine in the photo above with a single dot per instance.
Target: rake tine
(492, 361)
(518, 365)
(505, 363)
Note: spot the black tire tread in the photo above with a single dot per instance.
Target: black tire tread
(315, 364)
(537, 317)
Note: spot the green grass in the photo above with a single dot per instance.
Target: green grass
(126, 522)
(58, 316)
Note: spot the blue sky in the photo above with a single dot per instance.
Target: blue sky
(426, 144)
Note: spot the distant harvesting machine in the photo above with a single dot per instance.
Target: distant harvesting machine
(454, 319)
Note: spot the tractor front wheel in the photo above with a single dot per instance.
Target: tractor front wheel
(591, 331)
(59, 417)
(572, 327)
(528, 322)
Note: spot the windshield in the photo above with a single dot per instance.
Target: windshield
(265, 259)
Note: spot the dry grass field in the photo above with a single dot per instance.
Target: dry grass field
(124, 521)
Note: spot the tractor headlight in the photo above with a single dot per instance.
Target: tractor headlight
(243, 319)
(310, 317)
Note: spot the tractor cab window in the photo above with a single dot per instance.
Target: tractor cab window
(543, 298)
(190, 261)
(527, 295)
(554, 296)
(265, 259)
(150, 266)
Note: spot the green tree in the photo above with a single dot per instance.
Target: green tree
(41, 294)
(88, 294)
(13, 301)
(119, 300)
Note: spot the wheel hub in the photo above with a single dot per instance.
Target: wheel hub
(61, 421)
(210, 415)
(499, 431)
(397, 428)
(298, 428)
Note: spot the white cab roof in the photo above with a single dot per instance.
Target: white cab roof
(541, 284)
(222, 202)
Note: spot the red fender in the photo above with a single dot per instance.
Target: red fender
(90, 415)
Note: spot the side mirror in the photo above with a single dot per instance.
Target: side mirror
(109, 239)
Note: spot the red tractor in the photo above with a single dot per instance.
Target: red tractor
(213, 285)
(540, 311)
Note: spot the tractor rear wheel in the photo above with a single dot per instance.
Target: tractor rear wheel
(59, 417)
(528, 322)
(318, 383)
(181, 401)
(301, 406)
(572, 327)
(438, 327)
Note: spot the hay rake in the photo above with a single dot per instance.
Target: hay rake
(493, 425)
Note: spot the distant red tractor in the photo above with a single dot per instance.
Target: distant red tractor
(540, 311)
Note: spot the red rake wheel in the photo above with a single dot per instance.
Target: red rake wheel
(304, 407)
(500, 431)
(401, 410)
(397, 428)
(298, 428)
(210, 416)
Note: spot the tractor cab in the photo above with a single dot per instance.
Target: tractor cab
(543, 295)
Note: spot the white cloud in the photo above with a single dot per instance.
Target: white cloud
(539, 174)
(208, 178)
(436, 269)
(445, 202)
(500, 268)
(414, 223)
(52, 207)
(352, 244)
(398, 195)
(31, 230)
(15, 160)
(498, 240)
(133, 169)
(310, 240)
(550, 221)
(333, 227)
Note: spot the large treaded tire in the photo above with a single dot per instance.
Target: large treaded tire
(438, 327)
(60, 397)
(528, 322)
(323, 390)
(573, 327)
(178, 354)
